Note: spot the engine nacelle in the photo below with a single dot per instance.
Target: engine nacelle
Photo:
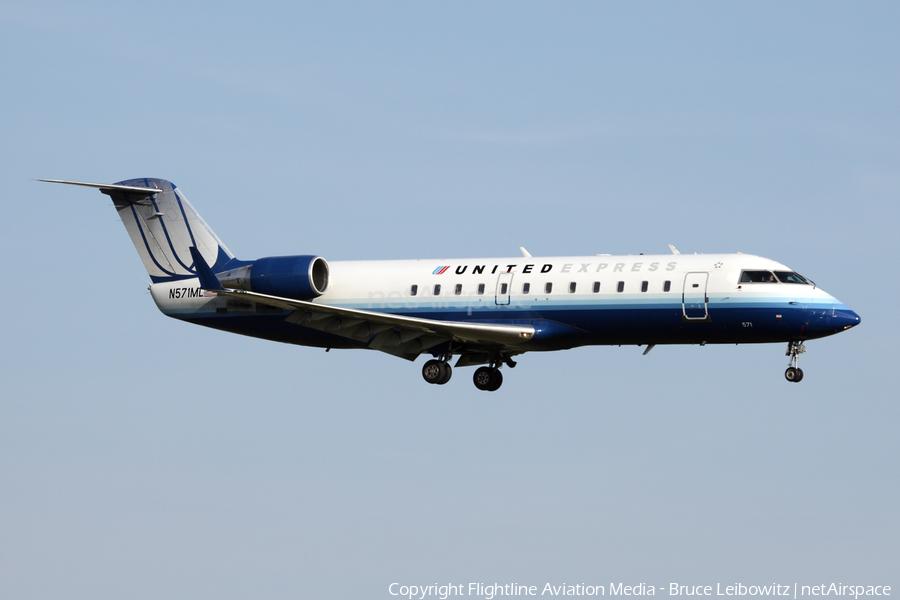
(297, 277)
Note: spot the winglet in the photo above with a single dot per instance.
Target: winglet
(208, 281)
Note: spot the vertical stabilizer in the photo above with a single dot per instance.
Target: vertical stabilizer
(163, 227)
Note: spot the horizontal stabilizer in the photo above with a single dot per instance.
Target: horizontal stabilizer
(108, 186)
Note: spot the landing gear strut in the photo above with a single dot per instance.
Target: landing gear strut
(437, 371)
(794, 373)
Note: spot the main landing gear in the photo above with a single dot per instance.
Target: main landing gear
(437, 371)
(488, 378)
(794, 373)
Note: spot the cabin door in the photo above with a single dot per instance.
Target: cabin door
(693, 299)
(504, 287)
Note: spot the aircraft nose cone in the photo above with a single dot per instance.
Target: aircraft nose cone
(843, 319)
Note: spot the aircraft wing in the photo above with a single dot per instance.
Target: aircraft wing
(399, 335)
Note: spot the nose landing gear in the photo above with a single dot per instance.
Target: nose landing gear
(794, 373)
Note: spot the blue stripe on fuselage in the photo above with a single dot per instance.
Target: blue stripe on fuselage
(567, 325)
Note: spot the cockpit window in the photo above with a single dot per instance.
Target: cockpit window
(791, 277)
(773, 277)
(758, 277)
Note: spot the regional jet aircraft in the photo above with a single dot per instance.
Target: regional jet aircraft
(482, 311)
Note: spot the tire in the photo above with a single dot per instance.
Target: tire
(447, 373)
(483, 378)
(432, 371)
(792, 374)
(799, 377)
(496, 380)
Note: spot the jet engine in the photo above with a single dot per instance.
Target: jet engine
(297, 277)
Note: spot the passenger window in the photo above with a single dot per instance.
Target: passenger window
(596, 287)
(621, 286)
(503, 288)
(437, 290)
(458, 289)
(548, 287)
(667, 286)
(480, 289)
(413, 290)
(572, 287)
(645, 285)
(526, 287)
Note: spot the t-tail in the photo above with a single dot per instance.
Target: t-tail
(163, 227)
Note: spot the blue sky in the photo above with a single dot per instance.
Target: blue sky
(145, 458)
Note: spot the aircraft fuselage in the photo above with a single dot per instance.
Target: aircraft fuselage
(591, 300)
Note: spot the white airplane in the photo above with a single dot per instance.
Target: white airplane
(484, 311)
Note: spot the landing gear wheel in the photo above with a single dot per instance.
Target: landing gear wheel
(447, 373)
(496, 380)
(433, 371)
(793, 374)
(487, 379)
(482, 378)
